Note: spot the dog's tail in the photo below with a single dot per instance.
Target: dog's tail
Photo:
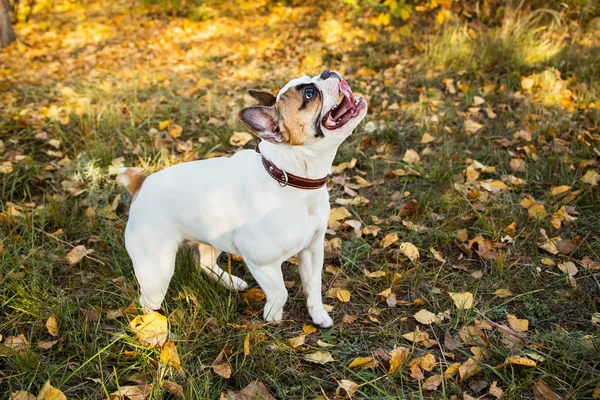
(132, 179)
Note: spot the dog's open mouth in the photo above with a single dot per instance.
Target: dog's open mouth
(343, 112)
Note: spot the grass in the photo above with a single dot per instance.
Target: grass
(103, 94)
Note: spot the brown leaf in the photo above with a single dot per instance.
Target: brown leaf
(308, 329)
(77, 254)
(542, 391)
(415, 371)
(137, 392)
(173, 388)
(47, 345)
(349, 387)
(432, 382)
(409, 209)
(223, 370)
(496, 391)
(469, 368)
(21, 395)
(14, 345)
(254, 295)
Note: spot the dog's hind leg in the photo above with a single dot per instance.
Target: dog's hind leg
(206, 257)
(153, 257)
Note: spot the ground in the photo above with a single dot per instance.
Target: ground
(465, 206)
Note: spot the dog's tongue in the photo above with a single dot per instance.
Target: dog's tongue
(346, 91)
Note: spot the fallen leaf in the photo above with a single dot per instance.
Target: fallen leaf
(463, 300)
(409, 209)
(432, 382)
(150, 329)
(240, 138)
(409, 250)
(175, 131)
(427, 362)
(138, 392)
(49, 392)
(502, 293)
(254, 295)
(427, 138)
(375, 274)
(349, 387)
(425, 317)
(223, 370)
(411, 156)
(415, 371)
(319, 357)
(389, 240)
(165, 124)
(255, 390)
(170, 356)
(47, 345)
(542, 391)
(591, 177)
(14, 345)
(472, 126)
(517, 360)
(173, 388)
(557, 190)
(77, 254)
(52, 326)
(518, 325)
(398, 356)
(568, 268)
(437, 255)
(469, 368)
(343, 295)
(416, 336)
(297, 341)
(21, 395)
(308, 329)
(517, 164)
(452, 370)
(363, 362)
(338, 214)
(537, 212)
(496, 391)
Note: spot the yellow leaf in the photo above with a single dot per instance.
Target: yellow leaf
(427, 138)
(432, 382)
(416, 336)
(375, 274)
(537, 212)
(170, 356)
(547, 261)
(411, 156)
(137, 392)
(517, 164)
(343, 295)
(398, 356)
(223, 370)
(437, 255)
(452, 370)
(49, 392)
(77, 254)
(240, 138)
(440, 17)
(15, 345)
(319, 357)
(52, 326)
(150, 329)
(591, 177)
(21, 395)
(363, 362)
(463, 300)
(308, 329)
(462, 235)
(175, 131)
(568, 268)
(427, 362)
(410, 251)
(556, 190)
(247, 345)
(496, 391)
(511, 229)
(297, 341)
(517, 360)
(472, 126)
(518, 325)
(165, 124)
(338, 214)
(502, 293)
(349, 386)
(425, 317)
(254, 295)
(389, 240)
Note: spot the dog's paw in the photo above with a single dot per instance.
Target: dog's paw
(272, 313)
(321, 318)
(238, 284)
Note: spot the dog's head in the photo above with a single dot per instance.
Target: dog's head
(307, 110)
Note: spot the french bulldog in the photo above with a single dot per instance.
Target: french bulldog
(266, 204)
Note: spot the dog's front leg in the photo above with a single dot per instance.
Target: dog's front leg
(311, 268)
(270, 279)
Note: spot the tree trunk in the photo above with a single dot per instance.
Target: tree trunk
(6, 31)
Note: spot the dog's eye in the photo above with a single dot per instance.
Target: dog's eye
(309, 93)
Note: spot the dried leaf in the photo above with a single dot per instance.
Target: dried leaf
(542, 391)
(411, 156)
(398, 356)
(297, 341)
(21, 395)
(240, 138)
(343, 295)
(52, 326)
(463, 300)
(518, 325)
(338, 214)
(77, 254)
(308, 329)
(568, 268)
(173, 388)
(254, 295)
(138, 392)
(49, 392)
(502, 293)
(469, 368)
(517, 360)
(349, 387)
(223, 370)
(175, 131)
(591, 177)
(170, 356)
(150, 329)
(432, 382)
(496, 391)
(363, 362)
(437, 255)
(426, 317)
(319, 357)
(537, 212)
(389, 240)
(557, 190)
(410, 251)
(471, 126)
(14, 345)
(427, 138)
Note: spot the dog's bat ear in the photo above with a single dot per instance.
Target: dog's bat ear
(263, 122)
(264, 98)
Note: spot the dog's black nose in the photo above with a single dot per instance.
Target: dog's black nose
(325, 74)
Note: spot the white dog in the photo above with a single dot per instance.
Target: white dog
(265, 205)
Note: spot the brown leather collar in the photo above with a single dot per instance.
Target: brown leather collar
(287, 179)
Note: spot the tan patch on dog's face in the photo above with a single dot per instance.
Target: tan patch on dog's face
(299, 113)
